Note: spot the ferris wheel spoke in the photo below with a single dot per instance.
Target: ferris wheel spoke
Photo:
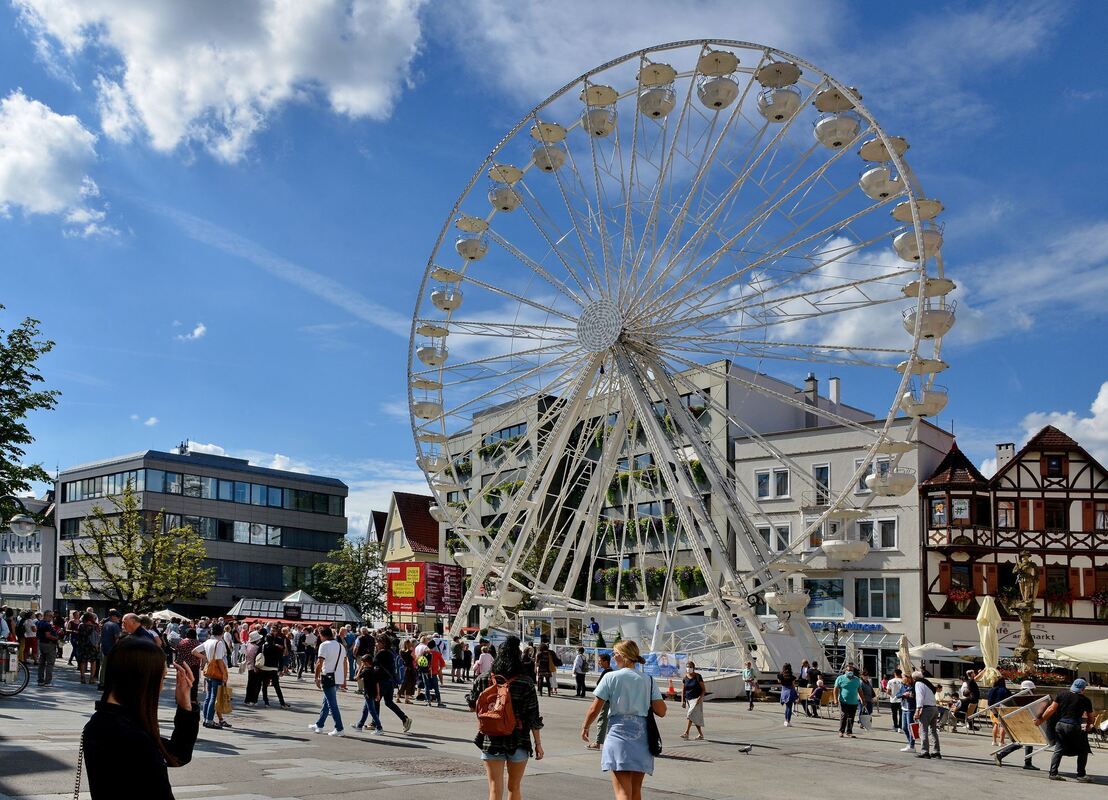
(537, 268)
(508, 295)
(557, 333)
(770, 355)
(822, 348)
(517, 379)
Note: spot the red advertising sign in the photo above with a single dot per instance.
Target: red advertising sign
(406, 586)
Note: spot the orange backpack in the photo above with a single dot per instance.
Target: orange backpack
(495, 716)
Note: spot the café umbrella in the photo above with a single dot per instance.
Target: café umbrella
(988, 620)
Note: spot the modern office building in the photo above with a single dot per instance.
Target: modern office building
(22, 559)
(1049, 500)
(263, 528)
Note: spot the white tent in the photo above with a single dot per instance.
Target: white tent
(166, 614)
(1090, 656)
(933, 651)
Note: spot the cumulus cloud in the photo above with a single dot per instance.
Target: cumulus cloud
(197, 332)
(1090, 431)
(150, 422)
(44, 162)
(214, 74)
(208, 449)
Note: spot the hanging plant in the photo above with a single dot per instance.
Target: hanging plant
(960, 595)
(697, 470)
(1100, 598)
(464, 468)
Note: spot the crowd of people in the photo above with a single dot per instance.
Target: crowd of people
(389, 671)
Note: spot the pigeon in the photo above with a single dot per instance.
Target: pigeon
(746, 748)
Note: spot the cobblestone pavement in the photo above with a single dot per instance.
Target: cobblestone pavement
(269, 754)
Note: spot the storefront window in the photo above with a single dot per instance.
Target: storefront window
(826, 598)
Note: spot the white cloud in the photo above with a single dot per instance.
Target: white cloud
(988, 467)
(214, 74)
(197, 332)
(1091, 431)
(44, 163)
(151, 422)
(397, 409)
(135, 418)
(209, 449)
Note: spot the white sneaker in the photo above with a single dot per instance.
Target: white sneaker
(379, 732)
(909, 749)
(314, 729)
(788, 724)
(336, 733)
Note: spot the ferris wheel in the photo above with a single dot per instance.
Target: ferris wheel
(611, 283)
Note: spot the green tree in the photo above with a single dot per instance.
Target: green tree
(352, 574)
(20, 394)
(133, 565)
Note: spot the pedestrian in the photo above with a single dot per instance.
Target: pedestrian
(425, 663)
(1074, 714)
(484, 663)
(604, 663)
(132, 626)
(371, 695)
(594, 628)
(71, 626)
(811, 705)
(692, 700)
(307, 661)
(906, 695)
(213, 656)
(330, 668)
(892, 691)
(456, 660)
(580, 669)
(631, 696)
(787, 681)
(125, 725)
(86, 650)
(802, 676)
(1028, 750)
(30, 637)
(49, 638)
(109, 635)
(186, 659)
(846, 692)
(998, 694)
(927, 714)
(865, 698)
(348, 639)
(546, 665)
(750, 684)
(467, 662)
(272, 660)
(385, 664)
(507, 752)
(969, 694)
(408, 681)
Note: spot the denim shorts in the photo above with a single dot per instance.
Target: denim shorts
(519, 755)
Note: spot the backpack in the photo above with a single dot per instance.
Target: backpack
(397, 667)
(424, 661)
(495, 716)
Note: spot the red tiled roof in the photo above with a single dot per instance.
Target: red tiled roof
(1050, 438)
(957, 470)
(419, 526)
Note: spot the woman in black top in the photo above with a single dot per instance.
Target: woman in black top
(384, 664)
(125, 726)
(788, 691)
(273, 653)
(692, 700)
(514, 749)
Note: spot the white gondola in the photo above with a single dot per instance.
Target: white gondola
(446, 297)
(879, 183)
(431, 437)
(927, 402)
(467, 559)
(893, 447)
(845, 545)
(444, 485)
(504, 197)
(599, 121)
(907, 247)
(831, 100)
(922, 366)
(438, 514)
(926, 208)
(657, 101)
(787, 602)
(445, 275)
(433, 462)
(932, 287)
(777, 74)
(876, 150)
(836, 131)
(548, 157)
(933, 320)
(427, 409)
(471, 246)
(717, 92)
(777, 105)
(892, 482)
(846, 514)
(431, 354)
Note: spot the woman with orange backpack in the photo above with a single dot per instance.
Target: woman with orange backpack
(508, 718)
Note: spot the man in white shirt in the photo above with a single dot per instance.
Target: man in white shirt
(892, 688)
(330, 673)
(927, 714)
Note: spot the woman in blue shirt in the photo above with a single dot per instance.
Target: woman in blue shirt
(631, 696)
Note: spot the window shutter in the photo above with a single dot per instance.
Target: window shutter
(1065, 466)
(1075, 582)
(1025, 516)
(944, 577)
(1089, 576)
(1087, 515)
(992, 578)
(1042, 466)
(979, 580)
(1042, 581)
(1038, 510)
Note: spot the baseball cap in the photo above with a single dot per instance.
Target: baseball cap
(1078, 685)
(1027, 685)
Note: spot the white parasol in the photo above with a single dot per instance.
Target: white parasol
(988, 619)
(904, 656)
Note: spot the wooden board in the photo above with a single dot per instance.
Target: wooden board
(1020, 722)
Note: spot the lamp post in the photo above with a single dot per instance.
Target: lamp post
(22, 524)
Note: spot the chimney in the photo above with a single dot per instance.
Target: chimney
(1004, 453)
(833, 391)
(811, 397)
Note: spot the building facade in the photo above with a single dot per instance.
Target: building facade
(263, 528)
(408, 534)
(21, 559)
(1050, 500)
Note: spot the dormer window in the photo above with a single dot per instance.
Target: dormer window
(1054, 466)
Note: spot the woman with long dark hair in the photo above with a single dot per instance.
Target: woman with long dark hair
(512, 751)
(85, 646)
(125, 726)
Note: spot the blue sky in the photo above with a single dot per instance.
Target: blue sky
(223, 220)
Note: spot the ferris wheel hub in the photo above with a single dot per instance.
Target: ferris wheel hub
(599, 326)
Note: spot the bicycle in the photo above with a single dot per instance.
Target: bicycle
(14, 675)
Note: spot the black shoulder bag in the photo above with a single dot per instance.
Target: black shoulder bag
(653, 735)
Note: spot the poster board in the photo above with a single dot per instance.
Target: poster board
(406, 586)
(1020, 722)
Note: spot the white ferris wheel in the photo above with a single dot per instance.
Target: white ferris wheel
(665, 226)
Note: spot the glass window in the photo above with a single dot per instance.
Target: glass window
(192, 522)
(273, 535)
(173, 483)
(644, 460)
(776, 537)
(290, 498)
(242, 492)
(242, 532)
(155, 480)
(1057, 513)
(1100, 517)
(822, 475)
(781, 482)
(226, 490)
(815, 538)
(960, 577)
(319, 503)
(190, 485)
(1006, 514)
(959, 510)
(877, 597)
(334, 505)
(826, 598)
(257, 533)
(761, 484)
(938, 512)
(1054, 466)
(273, 494)
(257, 494)
(208, 488)
(225, 530)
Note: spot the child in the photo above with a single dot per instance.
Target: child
(371, 707)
